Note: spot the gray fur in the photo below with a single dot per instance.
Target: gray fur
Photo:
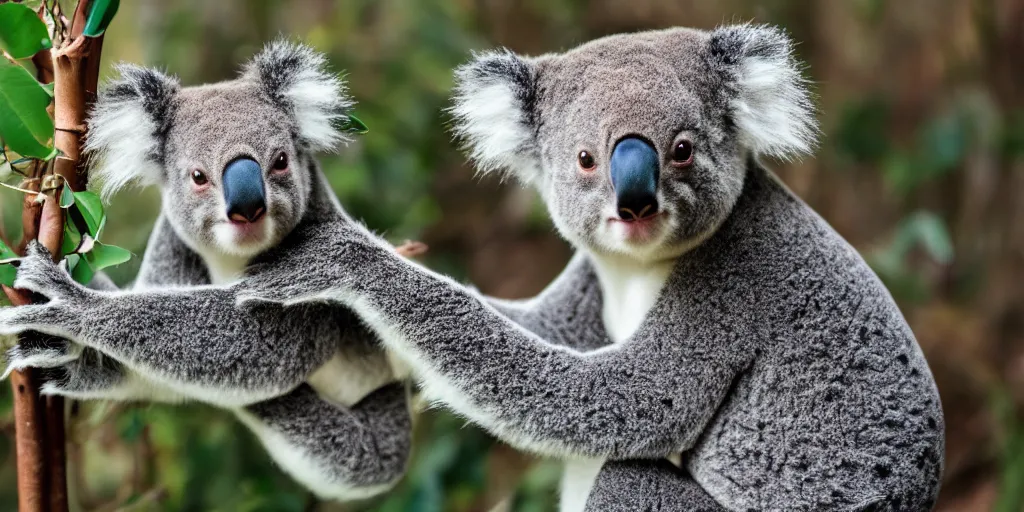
(178, 334)
(648, 486)
(773, 358)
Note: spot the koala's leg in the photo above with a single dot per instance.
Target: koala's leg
(646, 398)
(337, 452)
(649, 485)
(193, 340)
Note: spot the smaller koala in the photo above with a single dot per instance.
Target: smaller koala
(235, 164)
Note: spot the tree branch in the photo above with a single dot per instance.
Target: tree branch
(39, 423)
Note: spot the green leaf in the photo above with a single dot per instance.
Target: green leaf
(25, 126)
(81, 271)
(356, 125)
(102, 256)
(22, 33)
(101, 13)
(7, 271)
(91, 207)
(72, 238)
(67, 197)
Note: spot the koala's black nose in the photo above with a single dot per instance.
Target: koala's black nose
(243, 190)
(634, 173)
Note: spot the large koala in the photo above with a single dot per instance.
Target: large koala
(235, 164)
(708, 311)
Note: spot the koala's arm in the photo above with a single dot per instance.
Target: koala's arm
(567, 312)
(337, 452)
(192, 340)
(648, 397)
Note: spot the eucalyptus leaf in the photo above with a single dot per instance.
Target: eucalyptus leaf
(356, 125)
(81, 271)
(7, 271)
(67, 197)
(25, 126)
(101, 13)
(91, 207)
(102, 256)
(72, 238)
(22, 33)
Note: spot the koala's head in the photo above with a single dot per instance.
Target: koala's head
(638, 143)
(233, 159)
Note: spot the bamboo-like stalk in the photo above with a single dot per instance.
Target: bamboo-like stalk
(39, 422)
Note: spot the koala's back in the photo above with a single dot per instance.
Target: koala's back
(838, 409)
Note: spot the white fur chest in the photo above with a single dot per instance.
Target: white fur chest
(224, 268)
(629, 290)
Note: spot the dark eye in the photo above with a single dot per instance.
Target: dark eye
(199, 177)
(682, 153)
(281, 162)
(587, 162)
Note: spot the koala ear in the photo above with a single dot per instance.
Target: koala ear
(125, 128)
(295, 77)
(771, 104)
(494, 101)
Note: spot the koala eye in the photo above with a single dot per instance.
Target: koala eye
(587, 162)
(281, 162)
(199, 177)
(682, 153)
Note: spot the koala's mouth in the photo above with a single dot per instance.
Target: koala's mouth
(636, 230)
(242, 236)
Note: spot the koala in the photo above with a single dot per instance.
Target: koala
(709, 314)
(235, 165)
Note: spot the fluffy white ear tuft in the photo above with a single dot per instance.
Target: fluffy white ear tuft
(494, 113)
(771, 105)
(295, 76)
(125, 127)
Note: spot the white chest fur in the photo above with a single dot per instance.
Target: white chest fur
(224, 268)
(628, 290)
(577, 479)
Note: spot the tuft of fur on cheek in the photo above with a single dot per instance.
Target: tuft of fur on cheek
(122, 141)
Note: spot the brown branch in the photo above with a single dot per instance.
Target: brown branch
(39, 432)
(29, 440)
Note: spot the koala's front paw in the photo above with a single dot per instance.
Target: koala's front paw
(38, 273)
(38, 350)
(56, 318)
(90, 376)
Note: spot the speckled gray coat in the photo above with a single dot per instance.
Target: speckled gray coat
(773, 358)
(178, 334)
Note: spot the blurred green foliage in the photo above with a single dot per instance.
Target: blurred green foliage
(920, 168)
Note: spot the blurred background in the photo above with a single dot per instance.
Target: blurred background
(921, 168)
